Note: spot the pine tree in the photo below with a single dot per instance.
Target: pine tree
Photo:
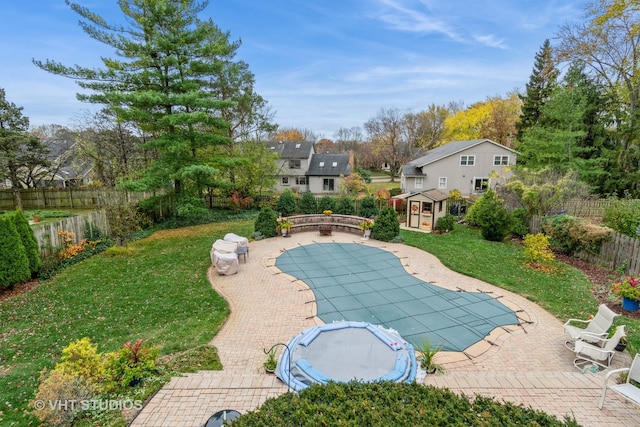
(14, 264)
(542, 82)
(161, 80)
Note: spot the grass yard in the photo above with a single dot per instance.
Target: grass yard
(159, 292)
(566, 293)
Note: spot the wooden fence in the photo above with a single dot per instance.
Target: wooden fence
(67, 198)
(49, 238)
(618, 252)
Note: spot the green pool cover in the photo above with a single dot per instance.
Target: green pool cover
(361, 283)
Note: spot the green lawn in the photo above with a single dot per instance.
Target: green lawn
(160, 293)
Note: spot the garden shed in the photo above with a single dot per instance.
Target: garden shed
(425, 208)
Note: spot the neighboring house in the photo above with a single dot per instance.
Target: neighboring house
(67, 169)
(326, 172)
(467, 166)
(301, 169)
(294, 161)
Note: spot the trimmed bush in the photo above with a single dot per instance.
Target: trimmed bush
(267, 222)
(569, 234)
(391, 404)
(520, 222)
(28, 241)
(386, 226)
(345, 206)
(287, 203)
(445, 223)
(308, 203)
(327, 203)
(489, 213)
(14, 263)
(368, 207)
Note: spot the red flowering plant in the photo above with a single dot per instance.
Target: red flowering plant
(627, 288)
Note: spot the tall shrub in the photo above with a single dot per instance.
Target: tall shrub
(308, 203)
(14, 263)
(623, 216)
(368, 207)
(327, 203)
(267, 222)
(287, 203)
(386, 226)
(28, 240)
(345, 206)
(493, 218)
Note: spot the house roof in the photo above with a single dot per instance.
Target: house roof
(329, 165)
(433, 194)
(450, 149)
(409, 170)
(293, 149)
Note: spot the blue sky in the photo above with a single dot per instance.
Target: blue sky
(321, 64)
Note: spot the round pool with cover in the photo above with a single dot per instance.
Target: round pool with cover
(346, 351)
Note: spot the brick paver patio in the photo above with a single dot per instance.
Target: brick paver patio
(525, 364)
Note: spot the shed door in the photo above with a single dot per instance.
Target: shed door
(414, 214)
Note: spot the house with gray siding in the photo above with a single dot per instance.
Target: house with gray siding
(301, 169)
(293, 163)
(467, 166)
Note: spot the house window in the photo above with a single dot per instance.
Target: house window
(321, 164)
(419, 182)
(467, 160)
(297, 145)
(480, 184)
(327, 184)
(440, 206)
(294, 164)
(427, 207)
(500, 160)
(334, 164)
(301, 180)
(285, 180)
(442, 182)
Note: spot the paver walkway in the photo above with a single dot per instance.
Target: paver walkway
(525, 364)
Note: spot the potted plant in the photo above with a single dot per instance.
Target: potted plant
(285, 226)
(271, 363)
(427, 353)
(366, 226)
(629, 290)
(327, 212)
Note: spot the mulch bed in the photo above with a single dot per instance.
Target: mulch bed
(600, 279)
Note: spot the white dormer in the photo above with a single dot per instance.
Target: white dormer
(321, 164)
(334, 164)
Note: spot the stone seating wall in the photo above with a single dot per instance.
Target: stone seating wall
(344, 223)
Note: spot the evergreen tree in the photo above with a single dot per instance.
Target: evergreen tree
(267, 222)
(541, 84)
(368, 207)
(308, 203)
(14, 263)
(386, 226)
(345, 206)
(28, 240)
(327, 203)
(286, 203)
(161, 80)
